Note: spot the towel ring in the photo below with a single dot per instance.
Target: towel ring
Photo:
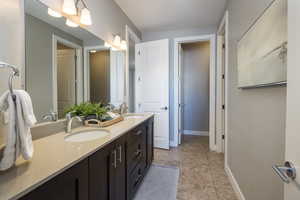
(15, 72)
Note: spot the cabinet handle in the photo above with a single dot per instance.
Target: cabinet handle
(120, 154)
(139, 132)
(115, 159)
(138, 153)
(137, 180)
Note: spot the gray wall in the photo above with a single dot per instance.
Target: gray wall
(39, 64)
(195, 82)
(256, 129)
(12, 44)
(157, 35)
(100, 76)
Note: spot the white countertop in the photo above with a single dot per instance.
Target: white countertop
(52, 155)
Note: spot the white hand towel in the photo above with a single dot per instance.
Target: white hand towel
(26, 120)
(22, 118)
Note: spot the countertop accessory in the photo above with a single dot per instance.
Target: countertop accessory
(98, 123)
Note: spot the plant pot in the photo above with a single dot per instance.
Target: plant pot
(93, 116)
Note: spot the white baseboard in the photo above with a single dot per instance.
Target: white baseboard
(234, 183)
(197, 133)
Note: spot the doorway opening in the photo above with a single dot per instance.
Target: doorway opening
(99, 76)
(66, 67)
(194, 88)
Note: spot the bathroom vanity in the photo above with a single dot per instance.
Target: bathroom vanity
(109, 168)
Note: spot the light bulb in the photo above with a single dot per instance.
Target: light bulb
(106, 44)
(69, 7)
(54, 13)
(117, 41)
(93, 51)
(85, 17)
(123, 45)
(71, 24)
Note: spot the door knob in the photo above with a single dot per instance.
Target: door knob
(164, 108)
(285, 172)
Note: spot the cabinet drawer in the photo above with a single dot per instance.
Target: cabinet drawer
(135, 154)
(139, 133)
(135, 179)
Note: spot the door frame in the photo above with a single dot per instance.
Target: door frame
(129, 33)
(222, 32)
(212, 108)
(86, 68)
(79, 70)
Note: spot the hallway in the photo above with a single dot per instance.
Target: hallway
(202, 175)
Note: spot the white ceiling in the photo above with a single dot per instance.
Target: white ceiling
(157, 15)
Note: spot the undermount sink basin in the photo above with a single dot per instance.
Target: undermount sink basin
(133, 116)
(85, 136)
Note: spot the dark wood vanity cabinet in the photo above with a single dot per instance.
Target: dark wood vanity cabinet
(70, 185)
(114, 172)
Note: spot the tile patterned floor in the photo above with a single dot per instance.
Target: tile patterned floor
(202, 175)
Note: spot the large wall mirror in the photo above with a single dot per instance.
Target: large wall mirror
(68, 65)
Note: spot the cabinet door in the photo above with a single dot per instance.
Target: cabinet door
(120, 170)
(150, 139)
(100, 175)
(70, 185)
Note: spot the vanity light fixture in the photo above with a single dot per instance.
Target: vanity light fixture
(85, 17)
(54, 13)
(71, 24)
(93, 51)
(69, 7)
(117, 41)
(123, 45)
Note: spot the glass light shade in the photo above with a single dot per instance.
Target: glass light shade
(123, 45)
(117, 41)
(85, 17)
(71, 24)
(54, 13)
(114, 49)
(106, 44)
(69, 7)
(93, 51)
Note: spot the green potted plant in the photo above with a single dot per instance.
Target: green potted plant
(88, 110)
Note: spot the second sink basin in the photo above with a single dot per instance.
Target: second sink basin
(133, 116)
(85, 136)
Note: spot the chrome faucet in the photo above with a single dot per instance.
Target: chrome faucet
(123, 108)
(70, 121)
(52, 116)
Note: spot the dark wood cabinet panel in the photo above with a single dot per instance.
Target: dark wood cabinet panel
(120, 170)
(70, 185)
(100, 173)
(150, 142)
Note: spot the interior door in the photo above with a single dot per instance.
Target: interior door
(66, 80)
(286, 172)
(152, 86)
(180, 96)
(117, 77)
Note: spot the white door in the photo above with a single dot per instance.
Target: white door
(66, 80)
(152, 86)
(180, 95)
(117, 77)
(292, 154)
